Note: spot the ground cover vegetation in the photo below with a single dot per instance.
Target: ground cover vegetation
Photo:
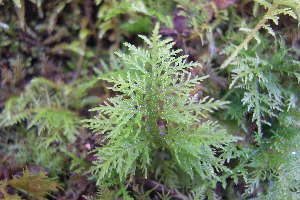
(149, 99)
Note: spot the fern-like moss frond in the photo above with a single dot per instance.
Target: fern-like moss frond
(47, 106)
(154, 111)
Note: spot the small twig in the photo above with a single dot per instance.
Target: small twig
(160, 187)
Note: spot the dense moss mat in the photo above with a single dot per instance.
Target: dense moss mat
(149, 99)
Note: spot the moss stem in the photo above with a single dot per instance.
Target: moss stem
(249, 36)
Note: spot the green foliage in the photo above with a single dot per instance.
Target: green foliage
(111, 9)
(37, 186)
(138, 13)
(47, 106)
(272, 165)
(266, 89)
(156, 136)
(275, 8)
(262, 80)
(155, 112)
(198, 15)
(24, 150)
(161, 10)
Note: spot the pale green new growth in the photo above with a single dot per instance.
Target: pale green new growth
(154, 112)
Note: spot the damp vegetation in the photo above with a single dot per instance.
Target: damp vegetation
(149, 99)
